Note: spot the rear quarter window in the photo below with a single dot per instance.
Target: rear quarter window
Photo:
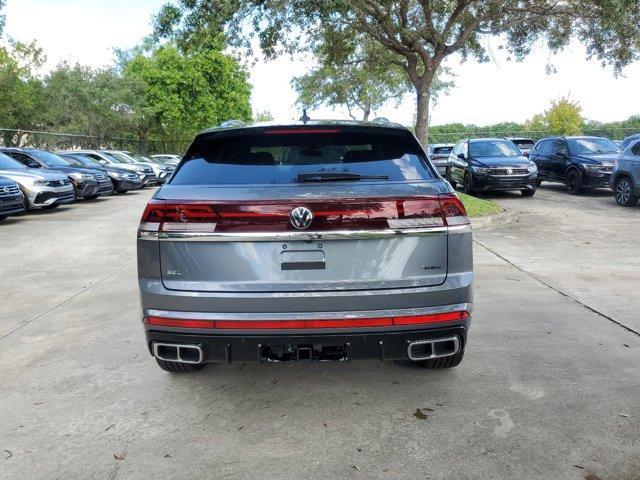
(271, 157)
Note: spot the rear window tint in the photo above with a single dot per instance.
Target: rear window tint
(524, 143)
(279, 158)
(442, 150)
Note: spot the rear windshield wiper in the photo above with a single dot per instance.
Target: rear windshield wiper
(337, 177)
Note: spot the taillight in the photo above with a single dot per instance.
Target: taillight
(327, 216)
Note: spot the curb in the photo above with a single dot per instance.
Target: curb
(493, 220)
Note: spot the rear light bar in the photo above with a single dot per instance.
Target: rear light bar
(274, 216)
(292, 131)
(307, 324)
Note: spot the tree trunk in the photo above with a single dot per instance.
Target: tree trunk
(366, 111)
(422, 112)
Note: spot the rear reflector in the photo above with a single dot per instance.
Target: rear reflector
(307, 324)
(328, 215)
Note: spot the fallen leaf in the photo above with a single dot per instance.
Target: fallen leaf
(385, 470)
(8, 456)
(427, 409)
(110, 427)
(358, 404)
(395, 383)
(118, 457)
(241, 427)
(168, 456)
(324, 424)
(356, 467)
(359, 449)
(626, 345)
(578, 466)
(419, 415)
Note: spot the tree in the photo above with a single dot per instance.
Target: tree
(362, 78)
(564, 117)
(420, 34)
(20, 89)
(190, 91)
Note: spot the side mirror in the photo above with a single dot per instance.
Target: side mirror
(461, 156)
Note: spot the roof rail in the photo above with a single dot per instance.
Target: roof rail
(232, 123)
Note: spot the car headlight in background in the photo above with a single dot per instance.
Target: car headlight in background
(532, 167)
(480, 169)
(592, 166)
(41, 183)
(82, 177)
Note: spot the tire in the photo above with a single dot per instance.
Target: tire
(526, 192)
(121, 191)
(50, 207)
(467, 184)
(91, 197)
(573, 181)
(623, 192)
(175, 367)
(443, 362)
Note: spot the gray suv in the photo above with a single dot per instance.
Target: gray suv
(305, 242)
(626, 175)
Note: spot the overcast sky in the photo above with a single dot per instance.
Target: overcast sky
(86, 31)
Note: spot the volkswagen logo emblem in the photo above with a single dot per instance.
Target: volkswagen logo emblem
(509, 171)
(301, 217)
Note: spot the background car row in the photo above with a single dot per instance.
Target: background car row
(580, 162)
(38, 179)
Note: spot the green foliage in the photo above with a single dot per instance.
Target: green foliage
(478, 207)
(166, 94)
(263, 116)
(191, 91)
(20, 90)
(564, 117)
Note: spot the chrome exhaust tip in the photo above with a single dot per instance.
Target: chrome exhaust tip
(180, 353)
(434, 348)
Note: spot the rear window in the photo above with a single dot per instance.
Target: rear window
(284, 157)
(442, 150)
(524, 143)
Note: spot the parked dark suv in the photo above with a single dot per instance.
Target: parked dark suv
(305, 242)
(11, 198)
(491, 164)
(578, 162)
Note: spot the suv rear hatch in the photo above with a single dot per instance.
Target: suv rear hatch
(303, 209)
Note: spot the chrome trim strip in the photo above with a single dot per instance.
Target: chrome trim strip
(292, 236)
(309, 315)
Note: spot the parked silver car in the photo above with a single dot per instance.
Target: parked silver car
(41, 188)
(162, 172)
(625, 179)
(145, 173)
(315, 241)
(439, 156)
(167, 158)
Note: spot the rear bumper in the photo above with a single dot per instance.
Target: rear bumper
(347, 346)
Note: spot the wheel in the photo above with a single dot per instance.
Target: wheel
(623, 190)
(573, 182)
(91, 197)
(121, 191)
(175, 367)
(442, 362)
(50, 207)
(467, 186)
(527, 192)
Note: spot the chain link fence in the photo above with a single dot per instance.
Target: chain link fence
(66, 141)
(453, 137)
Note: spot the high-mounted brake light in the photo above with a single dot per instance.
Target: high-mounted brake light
(308, 324)
(292, 131)
(359, 214)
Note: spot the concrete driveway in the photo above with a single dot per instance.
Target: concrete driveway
(549, 388)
